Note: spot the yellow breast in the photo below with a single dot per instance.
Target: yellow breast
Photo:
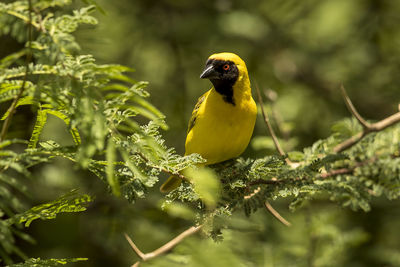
(222, 131)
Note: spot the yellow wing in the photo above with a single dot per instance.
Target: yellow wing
(193, 118)
(174, 181)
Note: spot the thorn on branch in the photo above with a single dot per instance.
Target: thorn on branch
(164, 248)
(352, 109)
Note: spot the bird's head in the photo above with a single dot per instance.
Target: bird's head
(224, 68)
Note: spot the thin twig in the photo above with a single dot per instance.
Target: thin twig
(163, 249)
(276, 214)
(270, 129)
(267, 122)
(374, 127)
(331, 173)
(347, 170)
(352, 109)
(367, 127)
(13, 106)
(269, 207)
(261, 181)
(276, 116)
(336, 172)
(134, 247)
(11, 109)
(183, 177)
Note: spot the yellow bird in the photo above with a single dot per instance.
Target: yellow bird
(223, 119)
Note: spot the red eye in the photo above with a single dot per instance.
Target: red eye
(226, 67)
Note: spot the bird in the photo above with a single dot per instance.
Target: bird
(223, 119)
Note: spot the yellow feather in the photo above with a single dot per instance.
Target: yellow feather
(218, 130)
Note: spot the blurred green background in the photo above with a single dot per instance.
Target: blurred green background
(298, 52)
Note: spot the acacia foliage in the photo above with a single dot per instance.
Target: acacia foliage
(99, 104)
(116, 135)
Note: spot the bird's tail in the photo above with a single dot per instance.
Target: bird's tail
(171, 183)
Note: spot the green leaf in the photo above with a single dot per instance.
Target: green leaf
(296, 156)
(27, 100)
(11, 58)
(111, 178)
(346, 128)
(135, 170)
(38, 262)
(74, 132)
(8, 91)
(70, 202)
(41, 119)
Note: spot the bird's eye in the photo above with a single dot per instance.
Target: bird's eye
(226, 67)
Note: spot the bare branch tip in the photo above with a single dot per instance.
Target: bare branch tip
(353, 110)
(135, 248)
(260, 101)
(276, 214)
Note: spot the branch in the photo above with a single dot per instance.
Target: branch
(163, 249)
(334, 172)
(270, 129)
(337, 172)
(276, 214)
(367, 127)
(13, 106)
(374, 127)
(261, 181)
(183, 177)
(347, 170)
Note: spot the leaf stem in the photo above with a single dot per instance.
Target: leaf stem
(13, 106)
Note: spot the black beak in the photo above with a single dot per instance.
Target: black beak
(210, 73)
